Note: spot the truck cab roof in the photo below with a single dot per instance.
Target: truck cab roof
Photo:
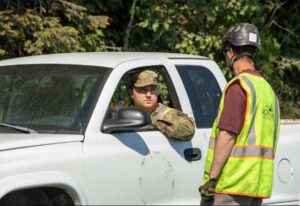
(103, 59)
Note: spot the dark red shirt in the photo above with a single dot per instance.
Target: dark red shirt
(233, 114)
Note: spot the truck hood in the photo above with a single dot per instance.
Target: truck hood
(14, 141)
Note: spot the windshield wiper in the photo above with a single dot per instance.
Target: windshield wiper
(18, 128)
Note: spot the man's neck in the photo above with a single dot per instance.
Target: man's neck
(240, 66)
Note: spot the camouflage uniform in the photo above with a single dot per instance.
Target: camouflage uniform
(171, 122)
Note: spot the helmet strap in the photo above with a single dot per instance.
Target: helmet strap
(229, 63)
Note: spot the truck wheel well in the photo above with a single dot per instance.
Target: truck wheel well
(42, 196)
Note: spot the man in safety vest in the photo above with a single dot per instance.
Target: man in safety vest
(239, 162)
(171, 122)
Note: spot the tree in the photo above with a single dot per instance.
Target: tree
(39, 27)
(192, 27)
(197, 27)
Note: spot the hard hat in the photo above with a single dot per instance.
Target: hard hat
(242, 34)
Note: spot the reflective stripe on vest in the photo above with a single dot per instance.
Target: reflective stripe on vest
(251, 151)
(251, 136)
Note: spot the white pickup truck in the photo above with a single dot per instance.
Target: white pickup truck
(62, 144)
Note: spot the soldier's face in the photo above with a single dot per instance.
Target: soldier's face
(145, 97)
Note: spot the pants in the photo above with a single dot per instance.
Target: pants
(224, 199)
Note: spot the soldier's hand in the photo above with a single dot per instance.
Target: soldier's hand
(207, 190)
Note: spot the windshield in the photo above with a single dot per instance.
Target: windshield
(49, 98)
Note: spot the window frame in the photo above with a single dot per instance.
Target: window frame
(172, 94)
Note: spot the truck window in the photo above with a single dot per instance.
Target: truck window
(49, 98)
(203, 91)
(122, 99)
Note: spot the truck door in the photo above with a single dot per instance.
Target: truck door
(142, 167)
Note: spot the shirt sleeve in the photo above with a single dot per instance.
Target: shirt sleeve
(233, 114)
(176, 124)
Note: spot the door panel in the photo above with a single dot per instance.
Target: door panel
(142, 168)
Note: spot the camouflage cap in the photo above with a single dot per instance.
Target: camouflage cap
(145, 78)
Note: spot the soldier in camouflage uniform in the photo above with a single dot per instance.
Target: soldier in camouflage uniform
(171, 122)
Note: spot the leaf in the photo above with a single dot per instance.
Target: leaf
(155, 26)
(166, 26)
(144, 24)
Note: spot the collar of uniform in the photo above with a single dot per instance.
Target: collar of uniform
(155, 110)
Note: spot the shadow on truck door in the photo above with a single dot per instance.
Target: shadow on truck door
(134, 141)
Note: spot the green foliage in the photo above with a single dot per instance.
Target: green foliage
(163, 90)
(193, 27)
(285, 80)
(197, 27)
(64, 27)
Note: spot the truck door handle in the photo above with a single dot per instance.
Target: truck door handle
(192, 154)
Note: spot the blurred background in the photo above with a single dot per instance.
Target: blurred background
(34, 27)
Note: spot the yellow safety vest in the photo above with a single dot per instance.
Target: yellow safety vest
(249, 169)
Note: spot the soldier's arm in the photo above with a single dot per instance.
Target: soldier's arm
(176, 124)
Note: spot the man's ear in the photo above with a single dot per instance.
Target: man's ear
(231, 53)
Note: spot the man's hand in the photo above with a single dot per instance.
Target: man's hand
(208, 189)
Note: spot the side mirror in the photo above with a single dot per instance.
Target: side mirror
(126, 119)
